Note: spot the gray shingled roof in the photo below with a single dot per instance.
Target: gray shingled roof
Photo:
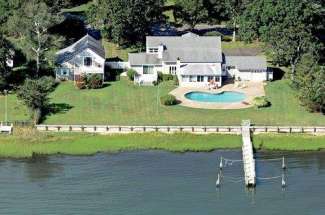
(143, 58)
(189, 47)
(200, 69)
(87, 41)
(247, 62)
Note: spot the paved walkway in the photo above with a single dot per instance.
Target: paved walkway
(251, 90)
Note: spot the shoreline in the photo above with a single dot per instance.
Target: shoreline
(25, 143)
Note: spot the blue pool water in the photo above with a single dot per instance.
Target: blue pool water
(223, 97)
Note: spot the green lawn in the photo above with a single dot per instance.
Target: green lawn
(289, 142)
(26, 142)
(240, 44)
(126, 104)
(78, 9)
(112, 50)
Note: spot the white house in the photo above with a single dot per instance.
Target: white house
(197, 61)
(86, 56)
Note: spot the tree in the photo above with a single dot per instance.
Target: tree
(38, 20)
(191, 12)
(125, 21)
(34, 94)
(216, 11)
(288, 27)
(234, 8)
(4, 69)
(310, 83)
(8, 9)
(32, 34)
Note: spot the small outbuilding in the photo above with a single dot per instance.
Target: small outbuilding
(248, 68)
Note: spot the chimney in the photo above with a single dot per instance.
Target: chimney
(178, 65)
(160, 51)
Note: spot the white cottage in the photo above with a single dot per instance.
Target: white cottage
(197, 61)
(86, 56)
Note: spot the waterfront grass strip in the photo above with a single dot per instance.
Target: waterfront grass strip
(87, 144)
(289, 142)
(24, 143)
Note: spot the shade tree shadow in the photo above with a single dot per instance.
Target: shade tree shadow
(55, 108)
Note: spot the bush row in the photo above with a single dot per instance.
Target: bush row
(89, 81)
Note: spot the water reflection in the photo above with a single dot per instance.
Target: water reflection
(40, 168)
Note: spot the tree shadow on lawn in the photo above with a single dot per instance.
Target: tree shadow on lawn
(55, 108)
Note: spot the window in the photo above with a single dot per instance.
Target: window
(172, 70)
(88, 61)
(200, 78)
(231, 67)
(153, 50)
(210, 78)
(147, 69)
(192, 78)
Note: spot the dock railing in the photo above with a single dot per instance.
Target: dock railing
(172, 129)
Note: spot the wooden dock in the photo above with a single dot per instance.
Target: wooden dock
(248, 155)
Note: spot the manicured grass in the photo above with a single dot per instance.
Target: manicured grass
(240, 44)
(289, 142)
(24, 145)
(112, 50)
(16, 111)
(123, 103)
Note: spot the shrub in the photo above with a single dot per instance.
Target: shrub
(95, 81)
(80, 84)
(90, 81)
(260, 102)
(176, 82)
(155, 83)
(168, 100)
(131, 73)
(160, 76)
(167, 77)
(227, 38)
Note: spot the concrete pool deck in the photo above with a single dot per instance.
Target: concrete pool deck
(251, 90)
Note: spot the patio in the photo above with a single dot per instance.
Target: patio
(250, 89)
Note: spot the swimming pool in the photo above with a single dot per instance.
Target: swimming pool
(223, 97)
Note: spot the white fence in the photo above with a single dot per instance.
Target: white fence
(117, 65)
(115, 129)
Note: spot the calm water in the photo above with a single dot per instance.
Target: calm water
(223, 97)
(158, 183)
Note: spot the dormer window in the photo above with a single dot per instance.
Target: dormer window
(88, 61)
(153, 50)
